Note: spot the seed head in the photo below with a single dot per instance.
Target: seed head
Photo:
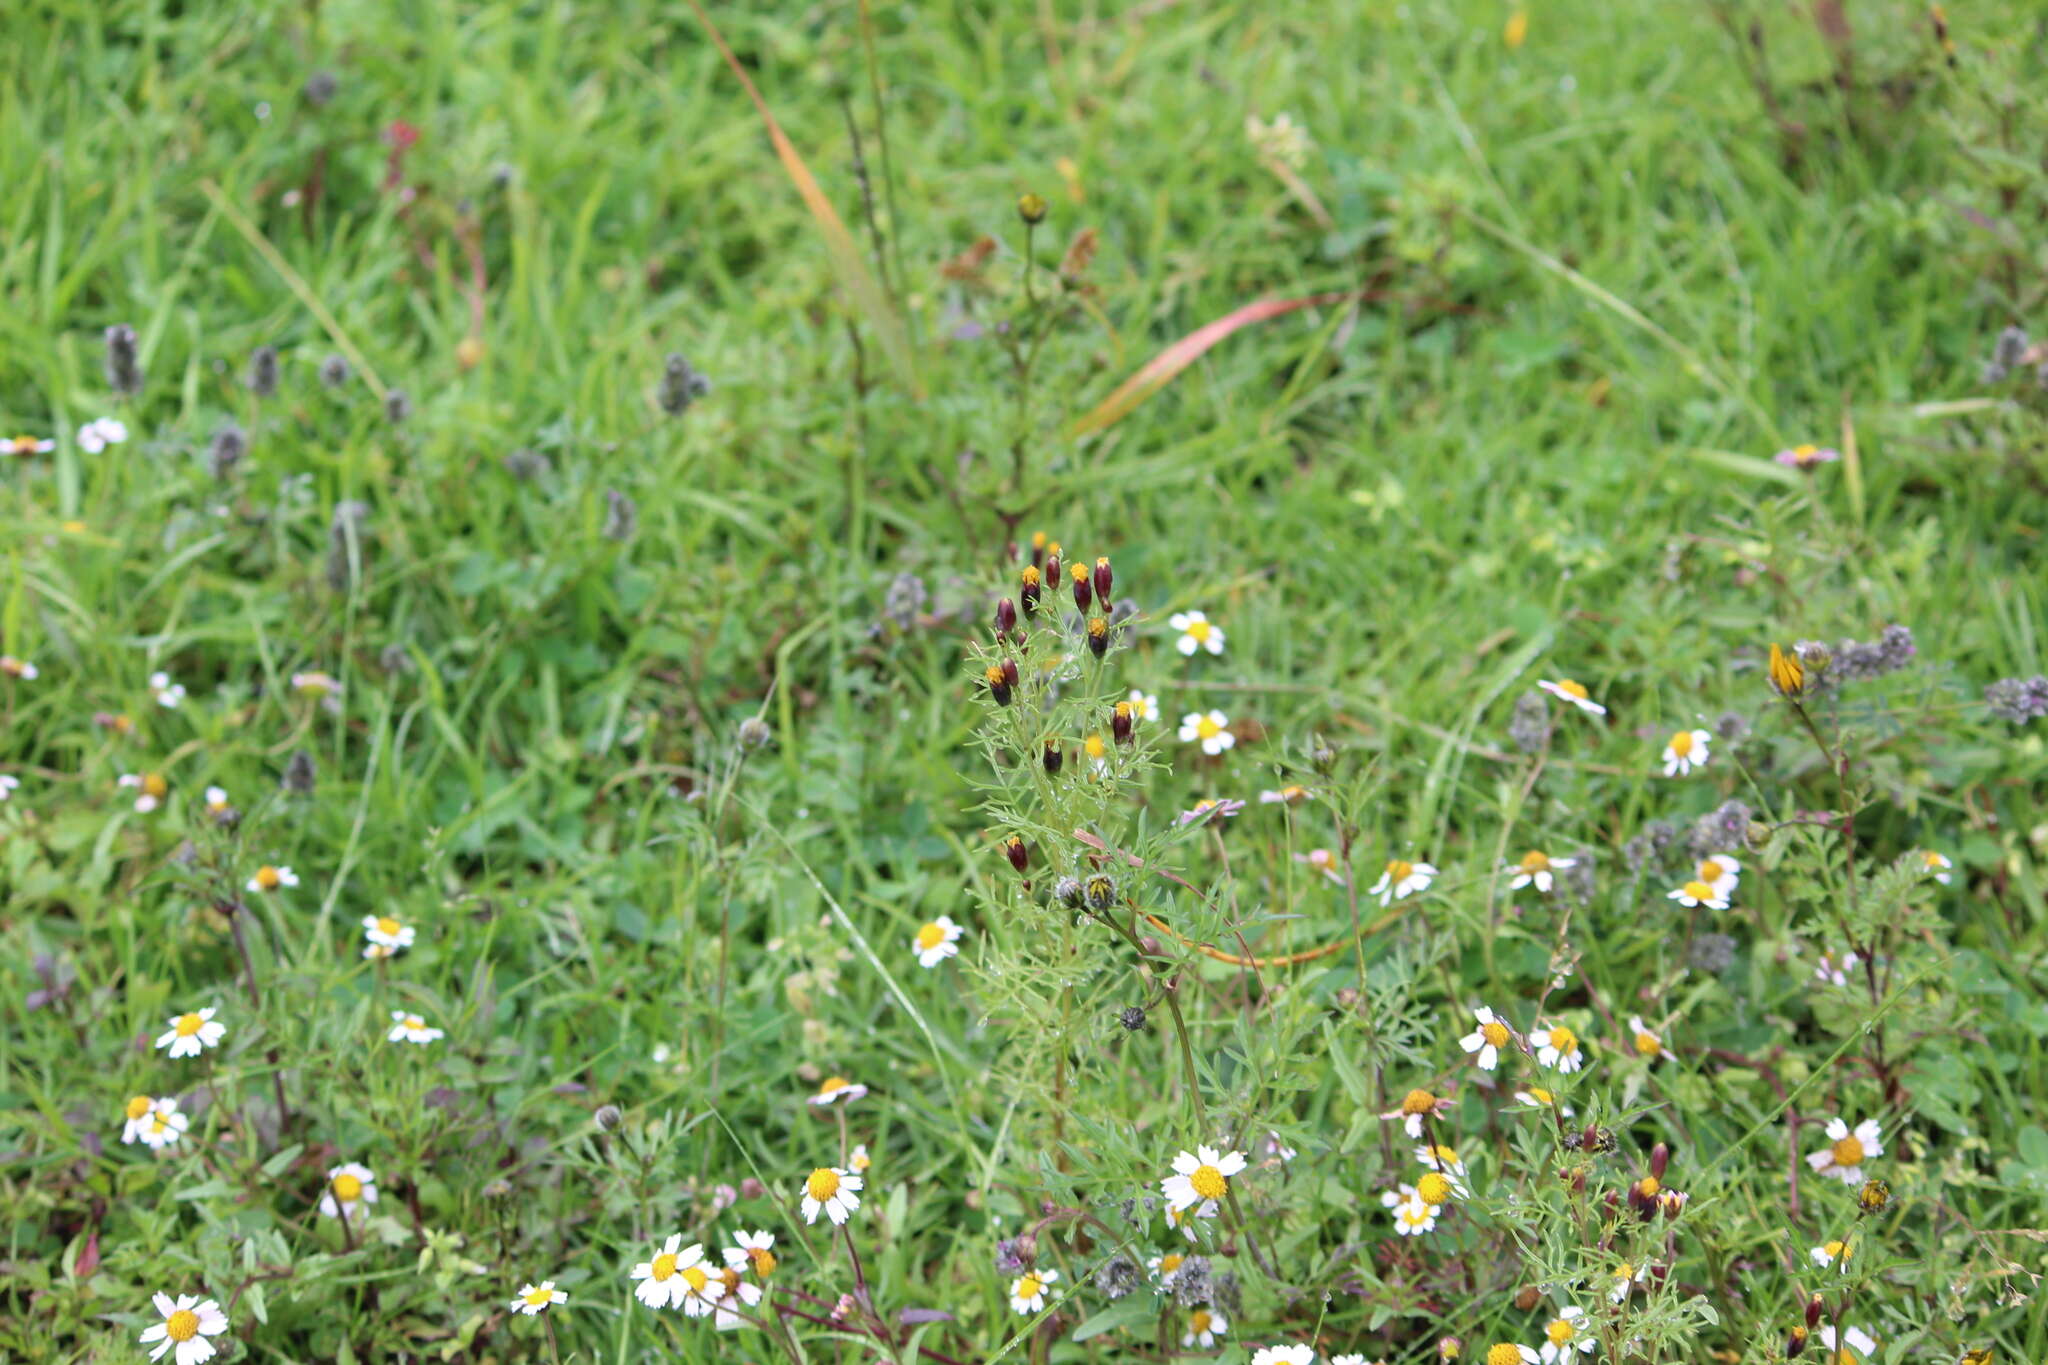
(225, 450)
(525, 465)
(621, 516)
(1132, 1018)
(1872, 1197)
(320, 88)
(681, 385)
(1067, 891)
(300, 774)
(1116, 1276)
(1031, 208)
(262, 379)
(397, 407)
(123, 365)
(334, 372)
(754, 733)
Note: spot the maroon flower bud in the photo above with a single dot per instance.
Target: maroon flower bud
(1102, 579)
(1010, 672)
(1814, 1307)
(750, 1188)
(1660, 1157)
(1052, 564)
(1028, 593)
(1098, 636)
(1795, 1342)
(1006, 617)
(1038, 549)
(998, 684)
(1120, 722)
(1014, 850)
(1055, 755)
(1082, 593)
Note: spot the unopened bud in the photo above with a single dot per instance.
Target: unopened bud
(607, 1117)
(1795, 1342)
(1814, 1308)
(1031, 208)
(1067, 890)
(1120, 722)
(1054, 756)
(998, 684)
(1098, 636)
(1528, 1297)
(1027, 593)
(1099, 891)
(1102, 581)
(1014, 850)
(1006, 617)
(1083, 593)
(1660, 1157)
(1052, 564)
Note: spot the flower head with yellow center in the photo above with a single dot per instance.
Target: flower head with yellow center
(832, 1191)
(186, 1323)
(534, 1299)
(1573, 693)
(1402, 879)
(1029, 1291)
(935, 941)
(675, 1276)
(351, 1189)
(1489, 1040)
(1558, 1047)
(1848, 1148)
(191, 1034)
(1201, 1179)
(1197, 632)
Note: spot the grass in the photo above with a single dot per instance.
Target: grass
(1601, 284)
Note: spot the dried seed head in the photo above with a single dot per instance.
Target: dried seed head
(1132, 1018)
(123, 363)
(621, 517)
(397, 406)
(525, 465)
(320, 88)
(1067, 890)
(754, 733)
(681, 385)
(262, 377)
(334, 372)
(300, 774)
(225, 450)
(607, 1117)
(1116, 1276)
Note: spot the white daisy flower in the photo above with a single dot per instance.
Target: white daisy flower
(1323, 861)
(1649, 1046)
(410, 1028)
(150, 789)
(1847, 1150)
(8, 783)
(1685, 751)
(1028, 1292)
(187, 1323)
(384, 932)
(164, 1126)
(1558, 1047)
(1144, 705)
(1443, 1160)
(935, 941)
(1293, 794)
(351, 1187)
(1212, 730)
(1936, 866)
(1720, 872)
(832, 1191)
(20, 670)
(535, 1299)
(1488, 1039)
(858, 1160)
(267, 878)
(1201, 1179)
(100, 433)
(1567, 1333)
(730, 1294)
(1284, 1355)
(1564, 689)
(1412, 1217)
(675, 1276)
(1416, 1106)
(1196, 632)
(1508, 1353)
(837, 1088)
(1857, 1345)
(25, 446)
(1625, 1277)
(1204, 1326)
(1535, 869)
(316, 684)
(168, 694)
(1828, 1253)
(217, 802)
(1402, 879)
(1536, 1097)
(1699, 893)
(192, 1034)
(137, 1115)
(755, 1250)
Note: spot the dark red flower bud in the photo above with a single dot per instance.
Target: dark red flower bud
(1120, 722)
(998, 684)
(1055, 755)
(1795, 1342)
(1006, 617)
(1082, 593)
(1814, 1308)
(1660, 1157)
(1010, 672)
(1052, 564)
(1014, 850)
(1098, 636)
(1102, 580)
(1028, 593)
(1038, 549)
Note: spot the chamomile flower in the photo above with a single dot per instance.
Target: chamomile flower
(1685, 751)
(1649, 1046)
(316, 685)
(1536, 868)
(1536, 1097)
(8, 783)
(675, 1276)
(1558, 1047)
(1028, 1292)
(25, 446)
(100, 433)
(752, 1251)
(1196, 632)
(1806, 456)
(1416, 1106)
(169, 695)
(1828, 1253)
(535, 1299)
(1400, 880)
(837, 1088)
(351, 1188)
(1293, 794)
(1624, 1278)
(1165, 1270)
(1211, 730)
(1699, 893)
(20, 670)
(1209, 809)
(1144, 705)
(165, 1124)
(1564, 689)
(730, 1293)
(1856, 1346)
(1847, 1150)
(410, 1028)
(1204, 1326)
(217, 803)
(1567, 1335)
(1097, 751)
(832, 1191)
(1720, 872)
(1487, 1041)
(267, 878)
(1412, 1217)
(187, 1322)
(858, 1159)
(150, 790)
(137, 1116)
(935, 941)
(1201, 1179)
(1284, 1355)
(192, 1034)
(1936, 866)
(386, 935)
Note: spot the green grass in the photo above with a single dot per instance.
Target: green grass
(1603, 286)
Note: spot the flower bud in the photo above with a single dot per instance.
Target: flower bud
(1027, 593)
(1660, 1157)
(1083, 593)
(998, 684)
(1098, 636)
(1788, 676)
(1813, 656)
(1099, 891)
(1067, 890)
(1014, 850)
(1054, 756)
(1038, 544)
(1102, 581)
(751, 1188)
(1795, 1342)
(1133, 1018)
(1052, 563)
(1671, 1203)
(1814, 1308)
(1031, 208)
(1872, 1197)
(607, 1117)
(1528, 1297)
(1010, 672)
(1006, 617)
(754, 733)
(1120, 722)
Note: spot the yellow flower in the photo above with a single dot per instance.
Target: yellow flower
(1788, 676)
(1516, 29)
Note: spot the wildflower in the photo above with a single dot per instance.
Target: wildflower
(1787, 674)
(1412, 1217)
(1290, 795)
(262, 376)
(535, 1299)
(1176, 1221)
(1857, 1345)
(1509, 1353)
(729, 1295)
(674, 1277)
(1099, 891)
(168, 694)
(1626, 1277)
(192, 1034)
(1535, 869)
(1276, 1148)
(1204, 1326)
(1649, 1046)
(681, 385)
(316, 685)
(752, 1251)
(832, 1190)
(137, 1117)
(1210, 729)
(334, 372)
(1284, 1355)
(300, 774)
(152, 788)
(25, 446)
(1200, 1179)
(2018, 700)
(1488, 1039)
(8, 783)
(858, 1160)
(1028, 1291)
(100, 433)
(19, 670)
(1827, 1253)
(1031, 208)
(350, 1188)
(410, 1028)
(936, 941)
(1144, 705)
(1196, 632)
(1416, 1106)
(1807, 456)
(267, 878)
(1686, 750)
(1558, 1047)
(1564, 689)
(1936, 866)
(1699, 893)
(1165, 1270)
(1565, 1334)
(1103, 579)
(1282, 140)
(1847, 1150)
(1402, 879)
(1872, 1197)
(1209, 809)
(123, 370)
(161, 1126)
(838, 1088)
(187, 1323)
(225, 449)
(1720, 872)
(1323, 861)
(1443, 1160)
(217, 805)
(386, 933)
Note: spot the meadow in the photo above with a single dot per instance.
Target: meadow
(1283, 683)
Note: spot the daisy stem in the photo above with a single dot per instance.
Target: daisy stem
(548, 1327)
(840, 1111)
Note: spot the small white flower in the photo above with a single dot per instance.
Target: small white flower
(1625, 1278)
(936, 941)
(755, 1251)
(1936, 866)
(730, 1295)
(217, 802)
(1649, 1046)
(164, 1126)
(1535, 869)
(1284, 1355)
(831, 1191)
(837, 1088)
(1566, 690)
(1444, 1161)
(674, 1277)
(1184, 1222)
(187, 1323)
(1857, 1345)
(1165, 1270)
(1323, 861)
(1720, 872)
(1144, 705)
(1699, 893)
(1402, 879)
(1488, 1039)
(100, 433)
(26, 446)
(267, 878)
(1212, 730)
(1276, 1148)
(1028, 1291)
(351, 1188)
(1201, 1179)
(191, 1034)
(150, 788)
(1685, 751)
(1412, 1217)
(386, 933)
(20, 670)
(1415, 1107)
(1828, 1253)
(139, 1118)
(1536, 1097)
(1558, 1047)
(1196, 632)
(1290, 795)
(1204, 1326)
(168, 694)
(410, 1028)
(534, 1299)
(8, 783)
(1847, 1150)
(1566, 1333)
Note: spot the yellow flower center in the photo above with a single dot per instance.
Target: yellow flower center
(695, 1277)
(348, 1188)
(1837, 1251)
(1845, 1356)
(1648, 1186)
(763, 1259)
(1681, 743)
(1094, 746)
(832, 1085)
(1711, 870)
(153, 784)
(1496, 1033)
(823, 1184)
(1540, 1095)
(1209, 1182)
(1505, 1352)
(267, 878)
(1207, 728)
(1029, 1286)
(1535, 861)
(182, 1325)
(1199, 1320)
(1566, 1042)
(1559, 1331)
(1847, 1151)
(414, 1023)
(187, 1025)
(138, 1106)
(1398, 870)
(538, 1298)
(1648, 1045)
(1699, 891)
(1170, 1262)
(929, 937)
(388, 927)
(1443, 1158)
(1433, 1189)
(158, 1123)
(1199, 631)
(1417, 1102)
(1935, 860)
(1572, 689)
(664, 1266)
